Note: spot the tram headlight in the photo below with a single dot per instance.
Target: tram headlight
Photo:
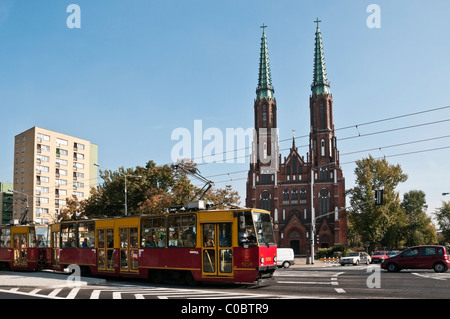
(262, 261)
(274, 259)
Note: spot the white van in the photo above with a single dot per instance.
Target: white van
(285, 257)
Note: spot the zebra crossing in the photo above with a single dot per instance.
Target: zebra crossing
(134, 292)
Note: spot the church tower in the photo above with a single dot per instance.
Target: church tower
(328, 184)
(264, 158)
(297, 189)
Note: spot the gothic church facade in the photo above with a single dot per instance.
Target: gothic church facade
(298, 189)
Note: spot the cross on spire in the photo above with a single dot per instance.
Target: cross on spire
(317, 21)
(263, 27)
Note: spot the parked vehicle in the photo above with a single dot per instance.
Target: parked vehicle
(392, 253)
(379, 256)
(355, 258)
(285, 257)
(434, 257)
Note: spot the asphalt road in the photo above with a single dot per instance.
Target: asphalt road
(319, 281)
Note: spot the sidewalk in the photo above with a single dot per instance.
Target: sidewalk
(46, 279)
(301, 262)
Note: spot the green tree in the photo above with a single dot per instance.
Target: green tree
(377, 224)
(151, 189)
(443, 218)
(420, 229)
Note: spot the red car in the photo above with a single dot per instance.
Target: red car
(433, 257)
(379, 256)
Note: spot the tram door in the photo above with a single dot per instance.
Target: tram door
(128, 249)
(217, 250)
(105, 249)
(55, 245)
(20, 247)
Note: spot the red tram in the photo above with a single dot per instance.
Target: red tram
(23, 247)
(235, 245)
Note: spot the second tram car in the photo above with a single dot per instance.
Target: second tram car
(22, 247)
(235, 245)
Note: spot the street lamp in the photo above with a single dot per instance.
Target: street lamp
(126, 206)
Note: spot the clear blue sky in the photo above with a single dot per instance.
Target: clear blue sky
(140, 69)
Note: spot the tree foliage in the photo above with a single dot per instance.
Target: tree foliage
(377, 224)
(419, 229)
(151, 189)
(443, 218)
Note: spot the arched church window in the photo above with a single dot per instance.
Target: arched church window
(264, 116)
(265, 200)
(323, 173)
(286, 194)
(294, 195)
(322, 115)
(322, 148)
(324, 201)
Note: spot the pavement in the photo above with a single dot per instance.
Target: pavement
(52, 279)
(47, 279)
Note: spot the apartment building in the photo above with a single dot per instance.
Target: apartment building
(49, 167)
(6, 200)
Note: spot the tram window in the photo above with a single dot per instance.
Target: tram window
(264, 229)
(86, 233)
(153, 232)
(68, 235)
(5, 238)
(246, 229)
(101, 238)
(32, 238)
(208, 235)
(182, 231)
(225, 235)
(42, 237)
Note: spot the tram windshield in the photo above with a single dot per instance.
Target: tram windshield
(41, 237)
(264, 229)
(255, 228)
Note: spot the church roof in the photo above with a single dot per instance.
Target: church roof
(320, 83)
(265, 88)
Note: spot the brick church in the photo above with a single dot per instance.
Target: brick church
(297, 189)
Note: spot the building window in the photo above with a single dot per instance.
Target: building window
(323, 173)
(78, 146)
(322, 148)
(324, 201)
(264, 116)
(265, 200)
(60, 141)
(322, 115)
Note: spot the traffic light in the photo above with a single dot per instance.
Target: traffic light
(317, 239)
(379, 197)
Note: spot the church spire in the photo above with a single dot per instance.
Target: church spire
(265, 88)
(320, 83)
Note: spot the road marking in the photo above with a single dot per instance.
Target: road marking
(54, 292)
(306, 282)
(340, 290)
(95, 294)
(428, 276)
(73, 293)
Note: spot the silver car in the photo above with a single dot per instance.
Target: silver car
(356, 258)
